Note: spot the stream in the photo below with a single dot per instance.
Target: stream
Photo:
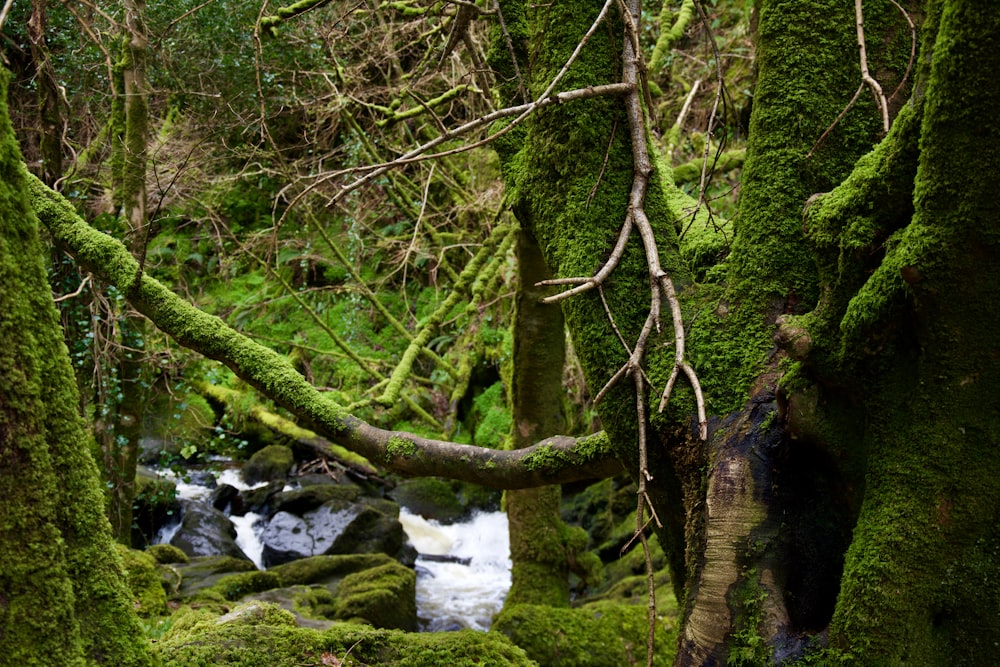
(463, 571)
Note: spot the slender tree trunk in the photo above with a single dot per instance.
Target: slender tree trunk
(540, 560)
(119, 427)
(50, 103)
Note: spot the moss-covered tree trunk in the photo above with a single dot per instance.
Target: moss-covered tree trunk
(118, 425)
(63, 598)
(917, 342)
(539, 573)
(758, 521)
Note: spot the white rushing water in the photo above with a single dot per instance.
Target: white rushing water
(248, 531)
(248, 526)
(465, 593)
(453, 595)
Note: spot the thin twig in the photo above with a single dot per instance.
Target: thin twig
(522, 112)
(6, 10)
(78, 292)
(419, 154)
(880, 101)
(840, 117)
(913, 51)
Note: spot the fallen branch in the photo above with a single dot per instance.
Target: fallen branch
(554, 460)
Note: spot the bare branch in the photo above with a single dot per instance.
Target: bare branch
(6, 10)
(913, 51)
(880, 101)
(419, 154)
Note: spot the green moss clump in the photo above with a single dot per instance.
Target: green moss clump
(274, 462)
(319, 569)
(238, 585)
(383, 596)
(596, 635)
(143, 579)
(493, 418)
(167, 553)
(399, 447)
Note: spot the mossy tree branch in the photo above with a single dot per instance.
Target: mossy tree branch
(554, 460)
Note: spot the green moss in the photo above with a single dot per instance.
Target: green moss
(318, 569)
(167, 553)
(596, 635)
(62, 583)
(236, 586)
(493, 417)
(399, 446)
(143, 579)
(384, 596)
(260, 635)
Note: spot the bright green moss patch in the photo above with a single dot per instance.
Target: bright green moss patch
(318, 569)
(399, 446)
(167, 553)
(596, 635)
(143, 579)
(235, 586)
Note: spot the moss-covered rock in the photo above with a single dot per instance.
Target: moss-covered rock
(271, 463)
(236, 586)
(167, 553)
(327, 569)
(204, 572)
(383, 596)
(261, 635)
(597, 635)
(143, 578)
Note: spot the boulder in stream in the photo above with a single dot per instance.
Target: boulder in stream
(205, 531)
(336, 527)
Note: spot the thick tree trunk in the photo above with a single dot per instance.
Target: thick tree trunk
(922, 568)
(63, 598)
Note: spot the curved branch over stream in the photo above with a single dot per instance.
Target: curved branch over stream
(554, 460)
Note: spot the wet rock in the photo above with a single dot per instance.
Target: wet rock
(300, 501)
(336, 527)
(228, 497)
(205, 531)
